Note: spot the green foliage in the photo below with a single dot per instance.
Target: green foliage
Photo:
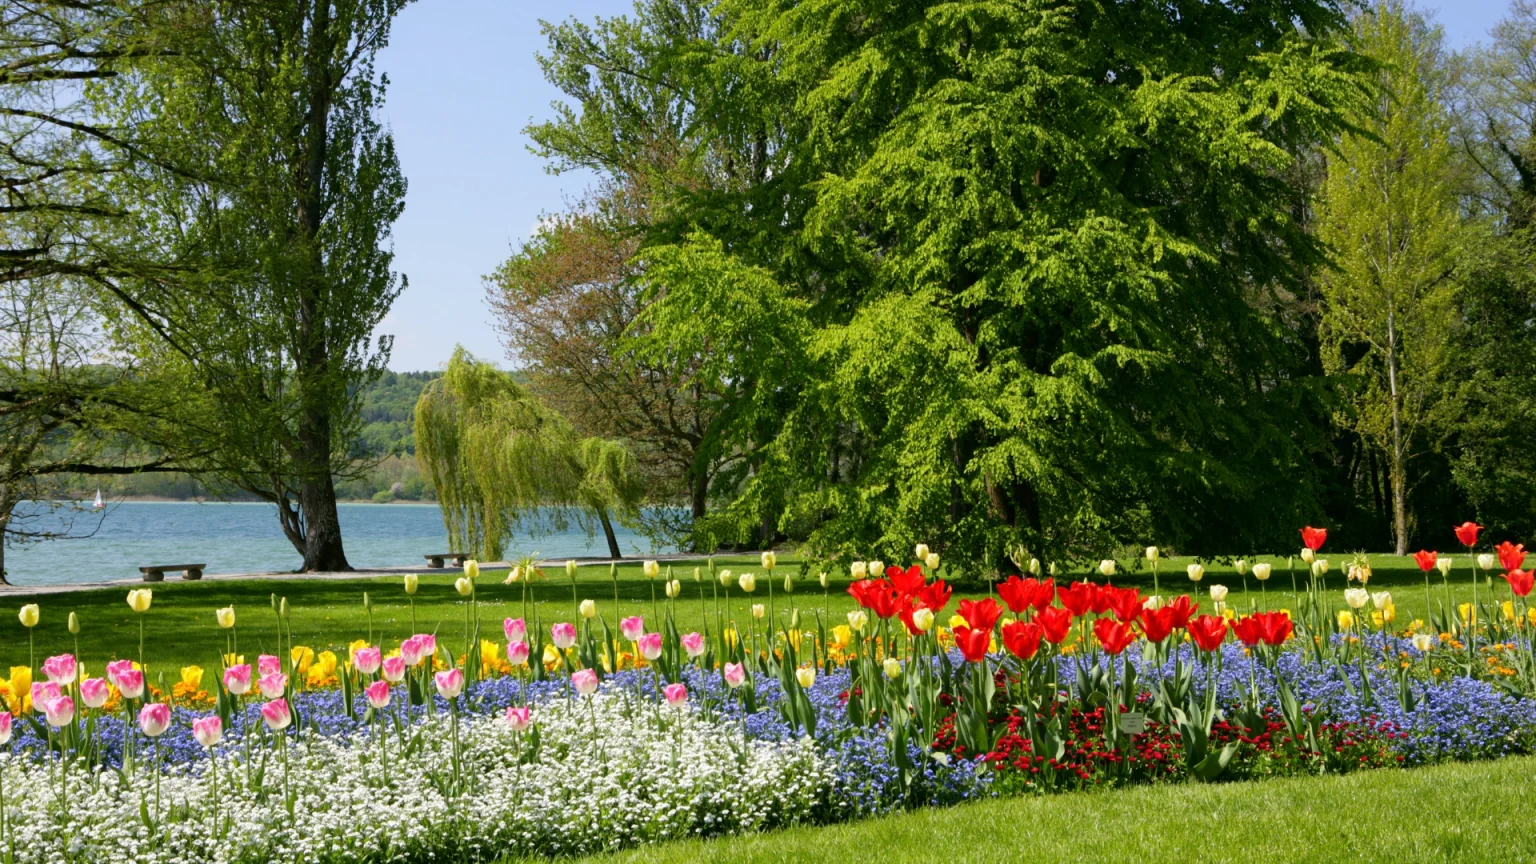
(501, 462)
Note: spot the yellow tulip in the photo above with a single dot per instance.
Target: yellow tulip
(747, 582)
(192, 676)
(588, 609)
(74, 624)
(1468, 613)
(769, 560)
(303, 658)
(842, 637)
(922, 619)
(651, 569)
(412, 582)
(1346, 619)
(472, 568)
(464, 586)
(806, 675)
(956, 622)
(226, 616)
(29, 615)
(139, 600)
(892, 667)
(932, 560)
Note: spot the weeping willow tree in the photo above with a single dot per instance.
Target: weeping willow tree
(504, 463)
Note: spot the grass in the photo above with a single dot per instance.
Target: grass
(180, 628)
(1460, 812)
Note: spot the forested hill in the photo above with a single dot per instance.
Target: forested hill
(387, 407)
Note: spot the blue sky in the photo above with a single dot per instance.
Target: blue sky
(463, 85)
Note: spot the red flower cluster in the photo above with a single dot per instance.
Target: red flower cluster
(1520, 581)
(1270, 628)
(1022, 594)
(1511, 556)
(901, 593)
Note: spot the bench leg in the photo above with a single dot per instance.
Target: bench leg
(191, 575)
(435, 563)
(154, 576)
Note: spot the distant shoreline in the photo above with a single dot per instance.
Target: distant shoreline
(156, 499)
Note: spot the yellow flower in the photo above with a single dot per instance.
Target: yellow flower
(354, 646)
(1346, 619)
(303, 658)
(322, 670)
(806, 675)
(234, 659)
(225, 616)
(842, 637)
(192, 676)
(1531, 615)
(139, 599)
(1467, 613)
(957, 621)
(20, 699)
(1509, 610)
(412, 582)
(29, 615)
(492, 658)
(472, 568)
(730, 637)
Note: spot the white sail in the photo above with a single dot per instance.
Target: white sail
(99, 503)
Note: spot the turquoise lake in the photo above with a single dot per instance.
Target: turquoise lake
(246, 538)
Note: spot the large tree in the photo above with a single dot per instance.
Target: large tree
(271, 192)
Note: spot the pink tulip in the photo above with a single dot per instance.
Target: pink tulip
(517, 653)
(95, 692)
(272, 685)
(116, 668)
(650, 645)
(42, 691)
(735, 675)
(131, 684)
(276, 714)
(632, 628)
(60, 669)
(413, 650)
(519, 718)
(378, 695)
(516, 630)
(394, 669)
(450, 683)
(5, 727)
(367, 660)
(60, 711)
(237, 679)
(428, 644)
(675, 694)
(585, 681)
(563, 635)
(208, 730)
(267, 664)
(693, 643)
(155, 718)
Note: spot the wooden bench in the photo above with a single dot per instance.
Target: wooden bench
(435, 561)
(189, 572)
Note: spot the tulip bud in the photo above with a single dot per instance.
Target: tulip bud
(769, 560)
(726, 578)
(876, 569)
(1319, 566)
(471, 568)
(463, 585)
(1054, 569)
(1152, 553)
(747, 582)
(74, 624)
(1242, 567)
(1423, 642)
(1486, 561)
(282, 607)
(140, 599)
(588, 609)
(29, 615)
(274, 601)
(1034, 566)
(932, 560)
(822, 579)
(789, 584)
(806, 675)
(1381, 599)
(859, 570)
(412, 582)
(1261, 571)
(651, 569)
(1308, 555)
(1443, 565)
(673, 589)
(1218, 593)
(225, 616)
(1195, 571)
(367, 602)
(922, 551)
(892, 668)
(857, 620)
(698, 575)
(794, 619)
(1107, 567)
(758, 611)
(570, 569)
(922, 619)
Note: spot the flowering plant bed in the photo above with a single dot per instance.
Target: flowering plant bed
(597, 736)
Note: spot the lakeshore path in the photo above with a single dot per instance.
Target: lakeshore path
(364, 573)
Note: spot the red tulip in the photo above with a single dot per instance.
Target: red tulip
(1248, 630)
(1466, 532)
(1015, 594)
(973, 642)
(1114, 635)
(1045, 592)
(1157, 624)
(1022, 639)
(1124, 602)
(1314, 538)
(1520, 581)
(1077, 597)
(981, 614)
(909, 581)
(1511, 556)
(1055, 622)
(1426, 559)
(1208, 631)
(935, 596)
(1276, 627)
(1101, 597)
(880, 598)
(859, 591)
(905, 614)
(1183, 610)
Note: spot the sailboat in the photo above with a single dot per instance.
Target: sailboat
(99, 503)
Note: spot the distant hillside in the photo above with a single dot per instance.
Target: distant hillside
(387, 407)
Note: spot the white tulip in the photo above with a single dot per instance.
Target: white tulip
(1308, 555)
(1195, 571)
(1261, 572)
(1381, 599)
(1107, 567)
(1152, 553)
(1356, 597)
(1218, 593)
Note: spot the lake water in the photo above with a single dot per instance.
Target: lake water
(246, 538)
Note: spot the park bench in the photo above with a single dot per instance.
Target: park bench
(156, 572)
(458, 558)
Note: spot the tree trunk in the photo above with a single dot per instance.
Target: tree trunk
(1397, 471)
(699, 493)
(613, 541)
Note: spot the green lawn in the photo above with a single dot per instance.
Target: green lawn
(1463, 813)
(180, 628)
